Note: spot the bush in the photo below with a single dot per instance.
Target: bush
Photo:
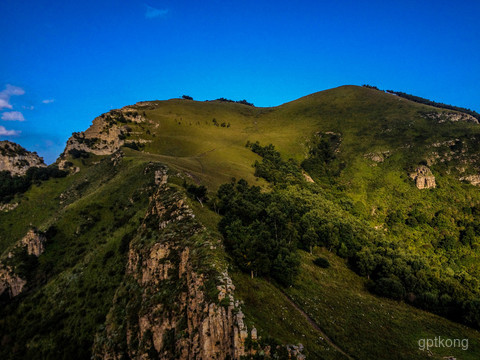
(389, 287)
(78, 153)
(322, 262)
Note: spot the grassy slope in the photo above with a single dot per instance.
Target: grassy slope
(183, 133)
(368, 327)
(363, 325)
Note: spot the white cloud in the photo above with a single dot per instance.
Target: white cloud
(48, 101)
(152, 12)
(5, 132)
(13, 90)
(28, 107)
(4, 104)
(5, 95)
(13, 116)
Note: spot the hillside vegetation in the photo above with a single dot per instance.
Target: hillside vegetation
(348, 220)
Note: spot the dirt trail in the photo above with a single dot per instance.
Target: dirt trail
(316, 327)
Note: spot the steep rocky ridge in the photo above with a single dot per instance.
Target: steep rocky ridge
(16, 159)
(177, 304)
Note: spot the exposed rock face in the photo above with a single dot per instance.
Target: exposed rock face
(472, 179)
(307, 177)
(106, 134)
(10, 282)
(16, 159)
(8, 207)
(442, 117)
(377, 157)
(423, 177)
(179, 305)
(34, 244)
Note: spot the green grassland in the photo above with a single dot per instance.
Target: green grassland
(362, 325)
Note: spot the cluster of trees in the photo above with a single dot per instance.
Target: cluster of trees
(400, 276)
(272, 167)
(198, 193)
(244, 102)
(11, 185)
(322, 162)
(262, 231)
(259, 230)
(77, 154)
(421, 100)
(135, 145)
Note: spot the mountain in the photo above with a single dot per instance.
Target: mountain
(342, 225)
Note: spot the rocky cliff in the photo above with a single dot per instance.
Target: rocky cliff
(33, 243)
(423, 177)
(472, 179)
(173, 302)
(10, 283)
(106, 134)
(16, 159)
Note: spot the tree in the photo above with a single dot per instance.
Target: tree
(389, 287)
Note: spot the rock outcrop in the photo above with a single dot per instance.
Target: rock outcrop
(10, 282)
(377, 157)
(442, 117)
(8, 207)
(106, 134)
(34, 244)
(472, 179)
(178, 304)
(423, 178)
(16, 159)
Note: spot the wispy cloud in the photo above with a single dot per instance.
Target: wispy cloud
(5, 132)
(5, 95)
(48, 101)
(13, 116)
(28, 107)
(152, 12)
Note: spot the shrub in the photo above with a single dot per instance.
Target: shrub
(389, 287)
(78, 153)
(322, 262)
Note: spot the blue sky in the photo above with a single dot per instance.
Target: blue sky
(63, 63)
